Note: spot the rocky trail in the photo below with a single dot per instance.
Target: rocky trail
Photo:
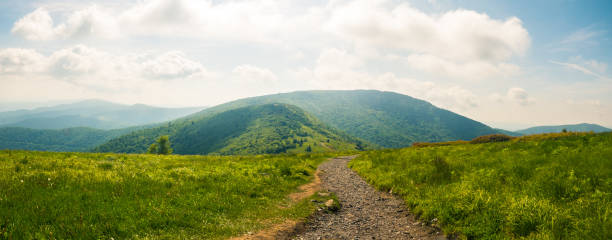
(365, 214)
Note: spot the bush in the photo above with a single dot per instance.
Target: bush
(491, 138)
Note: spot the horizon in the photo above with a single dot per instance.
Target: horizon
(517, 66)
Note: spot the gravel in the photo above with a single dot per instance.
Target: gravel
(365, 214)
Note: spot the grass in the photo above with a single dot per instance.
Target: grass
(550, 186)
(47, 195)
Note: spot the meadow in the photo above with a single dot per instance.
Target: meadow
(551, 186)
(46, 195)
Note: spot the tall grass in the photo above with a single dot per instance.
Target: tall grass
(103, 196)
(553, 186)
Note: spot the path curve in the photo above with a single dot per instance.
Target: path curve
(365, 214)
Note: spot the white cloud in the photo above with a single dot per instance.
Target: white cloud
(456, 35)
(583, 67)
(18, 60)
(37, 26)
(171, 65)
(515, 95)
(253, 74)
(471, 70)
(82, 65)
(338, 69)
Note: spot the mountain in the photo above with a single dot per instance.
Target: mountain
(254, 129)
(509, 133)
(582, 127)
(386, 119)
(64, 140)
(91, 113)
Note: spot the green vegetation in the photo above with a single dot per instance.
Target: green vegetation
(161, 146)
(259, 129)
(45, 195)
(66, 140)
(552, 186)
(386, 119)
(583, 127)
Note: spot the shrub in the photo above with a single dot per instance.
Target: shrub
(491, 138)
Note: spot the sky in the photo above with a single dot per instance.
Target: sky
(508, 64)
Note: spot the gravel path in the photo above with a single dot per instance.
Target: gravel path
(365, 214)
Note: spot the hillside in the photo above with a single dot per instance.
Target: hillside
(268, 128)
(70, 139)
(550, 186)
(384, 118)
(91, 113)
(582, 127)
(46, 195)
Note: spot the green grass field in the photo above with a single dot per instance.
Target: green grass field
(47, 195)
(555, 186)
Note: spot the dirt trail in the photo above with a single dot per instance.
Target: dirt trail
(365, 214)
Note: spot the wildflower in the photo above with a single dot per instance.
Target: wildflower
(48, 179)
(21, 180)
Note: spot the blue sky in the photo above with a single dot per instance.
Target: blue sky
(509, 64)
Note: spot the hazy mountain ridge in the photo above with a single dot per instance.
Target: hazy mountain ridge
(91, 113)
(64, 140)
(582, 127)
(256, 129)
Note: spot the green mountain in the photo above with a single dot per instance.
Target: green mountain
(255, 129)
(64, 140)
(91, 113)
(582, 127)
(384, 118)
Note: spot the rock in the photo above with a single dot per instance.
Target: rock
(329, 203)
(323, 194)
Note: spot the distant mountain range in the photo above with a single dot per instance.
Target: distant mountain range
(281, 123)
(93, 114)
(582, 127)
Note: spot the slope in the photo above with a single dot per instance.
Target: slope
(582, 127)
(91, 113)
(384, 118)
(257, 129)
(63, 140)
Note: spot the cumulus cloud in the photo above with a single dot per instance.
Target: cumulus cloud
(514, 95)
(83, 65)
(18, 60)
(339, 69)
(39, 26)
(457, 35)
(253, 74)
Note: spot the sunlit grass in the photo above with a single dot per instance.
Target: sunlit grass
(103, 196)
(550, 186)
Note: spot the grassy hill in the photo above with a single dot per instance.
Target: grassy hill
(268, 128)
(582, 127)
(384, 118)
(63, 140)
(91, 113)
(552, 186)
(45, 195)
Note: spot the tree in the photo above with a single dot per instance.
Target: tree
(308, 149)
(161, 146)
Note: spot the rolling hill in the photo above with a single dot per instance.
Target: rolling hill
(582, 127)
(386, 119)
(62, 140)
(255, 129)
(91, 113)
